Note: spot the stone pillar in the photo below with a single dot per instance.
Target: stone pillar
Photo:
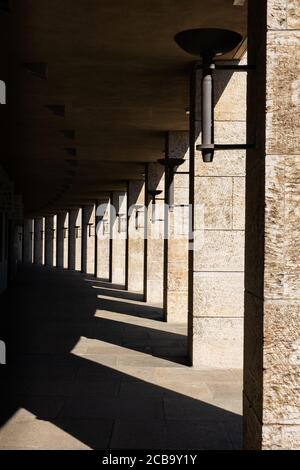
(75, 229)
(50, 240)
(119, 232)
(135, 242)
(28, 241)
(272, 263)
(155, 235)
(177, 232)
(88, 239)
(3, 254)
(216, 262)
(62, 239)
(103, 240)
(39, 239)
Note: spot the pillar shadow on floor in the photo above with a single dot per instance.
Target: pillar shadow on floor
(121, 399)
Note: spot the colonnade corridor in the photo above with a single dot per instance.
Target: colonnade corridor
(92, 366)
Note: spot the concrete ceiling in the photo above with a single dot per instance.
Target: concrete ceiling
(114, 66)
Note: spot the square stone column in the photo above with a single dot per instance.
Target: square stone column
(176, 246)
(272, 266)
(155, 235)
(103, 240)
(119, 234)
(28, 241)
(39, 240)
(135, 240)
(50, 240)
(88, 239)
(75, 233)
(216, 264)
(62, 239)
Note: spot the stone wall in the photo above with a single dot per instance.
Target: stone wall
(177, 232)
(155, 236)
(217, 261)
(88, 239)
(103, 240)
(119, 232)
(272, 274)
(75, 241)
(136, 223)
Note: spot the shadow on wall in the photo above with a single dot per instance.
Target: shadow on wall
(100, 406)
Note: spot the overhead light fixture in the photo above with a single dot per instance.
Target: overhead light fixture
(57, 109)
(239, 3)
(38, 69)
(207, 43)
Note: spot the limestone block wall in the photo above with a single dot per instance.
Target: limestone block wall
(28, 241)
(50, 240)
(62, 239)
(103, 240)
(136, 226)
(39, 240)
(3, 252)
(155, 236)
(88, 239)
(272, 274)
(217, 260)
(177, 230)
(119, 233)
(75, 233)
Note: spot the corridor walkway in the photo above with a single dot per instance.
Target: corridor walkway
(94, 367)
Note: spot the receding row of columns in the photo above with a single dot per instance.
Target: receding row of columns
(200, 276)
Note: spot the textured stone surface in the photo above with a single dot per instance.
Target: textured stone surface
(276, 14)
(222, 251)
(218, 294)
(278, 437)
(293, 14)
(136, 196)
(103, 239)
(271, 385)
(238, 204)
(282, 118)
(155, 236)
(215, 194)
(119, 239)
(218, 342)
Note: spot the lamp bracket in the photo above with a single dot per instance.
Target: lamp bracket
(236, 68)
(225, 146)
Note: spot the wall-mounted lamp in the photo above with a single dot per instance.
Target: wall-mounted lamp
(53, 233)
(208, 43)
(153, 193)
(171, 164)
(90, 229)
(122, 223)
(138, 213)
(77, 231)
(65, 231)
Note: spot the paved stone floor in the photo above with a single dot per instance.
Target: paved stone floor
(94, 367)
